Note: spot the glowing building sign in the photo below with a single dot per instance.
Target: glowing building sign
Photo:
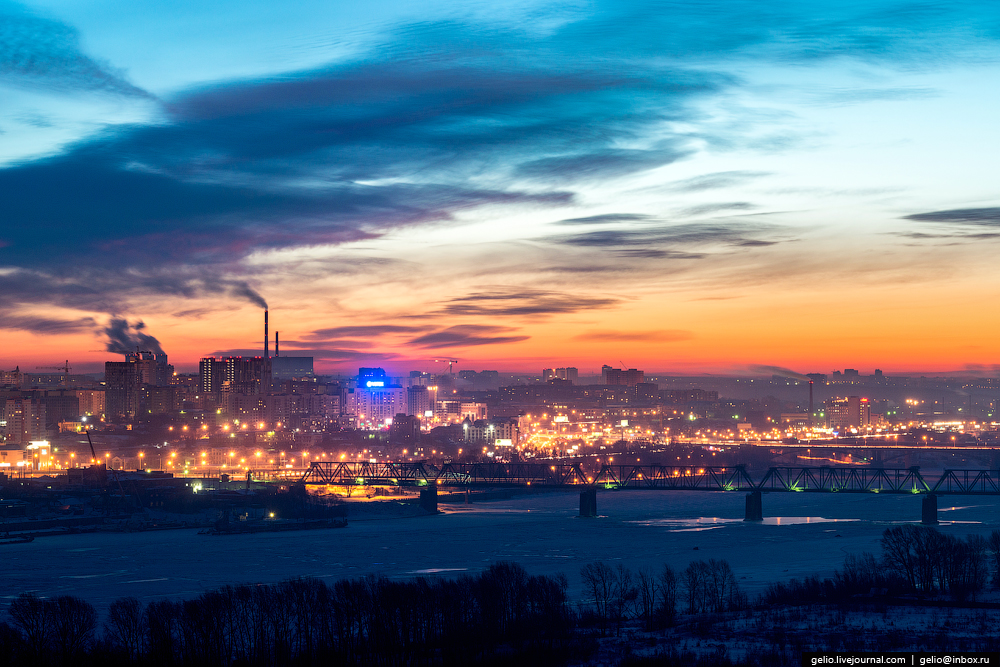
(375, 383)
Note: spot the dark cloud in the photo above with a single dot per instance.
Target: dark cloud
(44, 325)
(751, 243)
(653, 253)
(989, 217)
(608, 162)
(671, 236)
(524, 302)
(362, 331)
(605, 219)
(124, 337)
(663, 336)
(42, 52)
(111, 289)
(467, 335)
(958, 234)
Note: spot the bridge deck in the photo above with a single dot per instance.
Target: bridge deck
(678, 478)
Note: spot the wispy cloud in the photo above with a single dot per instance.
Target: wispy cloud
(658, 336)
(989, 217)
(524, 302)
(324, 354)
(42, 52)
(46, 325)
(717, 180)
(365, 331)
(467, 335)
(606, 219)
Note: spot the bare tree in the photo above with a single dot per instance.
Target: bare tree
(124, 626)
(994, 546)
(899, 553)
(599, 583)
(693, 579)
(668, 595)
(624, 595)
(33, 617)
(721, 589)
(73, 624)
(649, 590)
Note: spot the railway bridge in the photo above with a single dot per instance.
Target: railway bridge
(825, 479)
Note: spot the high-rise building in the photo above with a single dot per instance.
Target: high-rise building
(91, 402)
(850, 412)
(121, 393)
(23, 420)
(620, 376)
(376, 400)
(211, 375)
(125, 380)
(570, 374)
(418, 401)
(250, 376)
(291, 368)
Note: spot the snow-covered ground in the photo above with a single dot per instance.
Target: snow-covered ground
(805, 534)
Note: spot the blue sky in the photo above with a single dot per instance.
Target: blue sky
(482, 178)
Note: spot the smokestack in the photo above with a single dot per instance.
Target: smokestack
(276, 343)
(810, 400)
(266, 354)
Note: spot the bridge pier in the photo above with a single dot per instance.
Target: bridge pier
(588, 502)
(754, 507)
(928, 510)
(429, 498)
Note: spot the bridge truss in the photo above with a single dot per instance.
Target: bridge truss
(678, 478)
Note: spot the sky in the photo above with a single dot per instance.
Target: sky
(684, 187)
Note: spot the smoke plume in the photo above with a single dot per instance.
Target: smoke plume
(244, 290)
(778, 370)
(124, 337)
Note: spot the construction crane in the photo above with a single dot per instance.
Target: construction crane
(93, 454)
(450, 362)
(64, 368)
(101, 469)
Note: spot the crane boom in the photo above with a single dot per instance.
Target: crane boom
(93, 454)
(64, 368)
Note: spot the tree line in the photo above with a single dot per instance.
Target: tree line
(616, 594)
(914, 560)
(367, 621)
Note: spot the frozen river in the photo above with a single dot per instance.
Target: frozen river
(805, 534)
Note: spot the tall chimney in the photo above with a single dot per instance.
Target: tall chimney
(276, 343)
(266, 354)
(810, 401)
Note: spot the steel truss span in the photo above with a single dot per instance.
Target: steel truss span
(667, 478)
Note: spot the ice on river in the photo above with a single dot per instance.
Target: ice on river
(803, 534)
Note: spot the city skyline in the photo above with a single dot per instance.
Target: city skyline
(705, 187)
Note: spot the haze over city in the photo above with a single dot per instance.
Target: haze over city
(682, 187)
